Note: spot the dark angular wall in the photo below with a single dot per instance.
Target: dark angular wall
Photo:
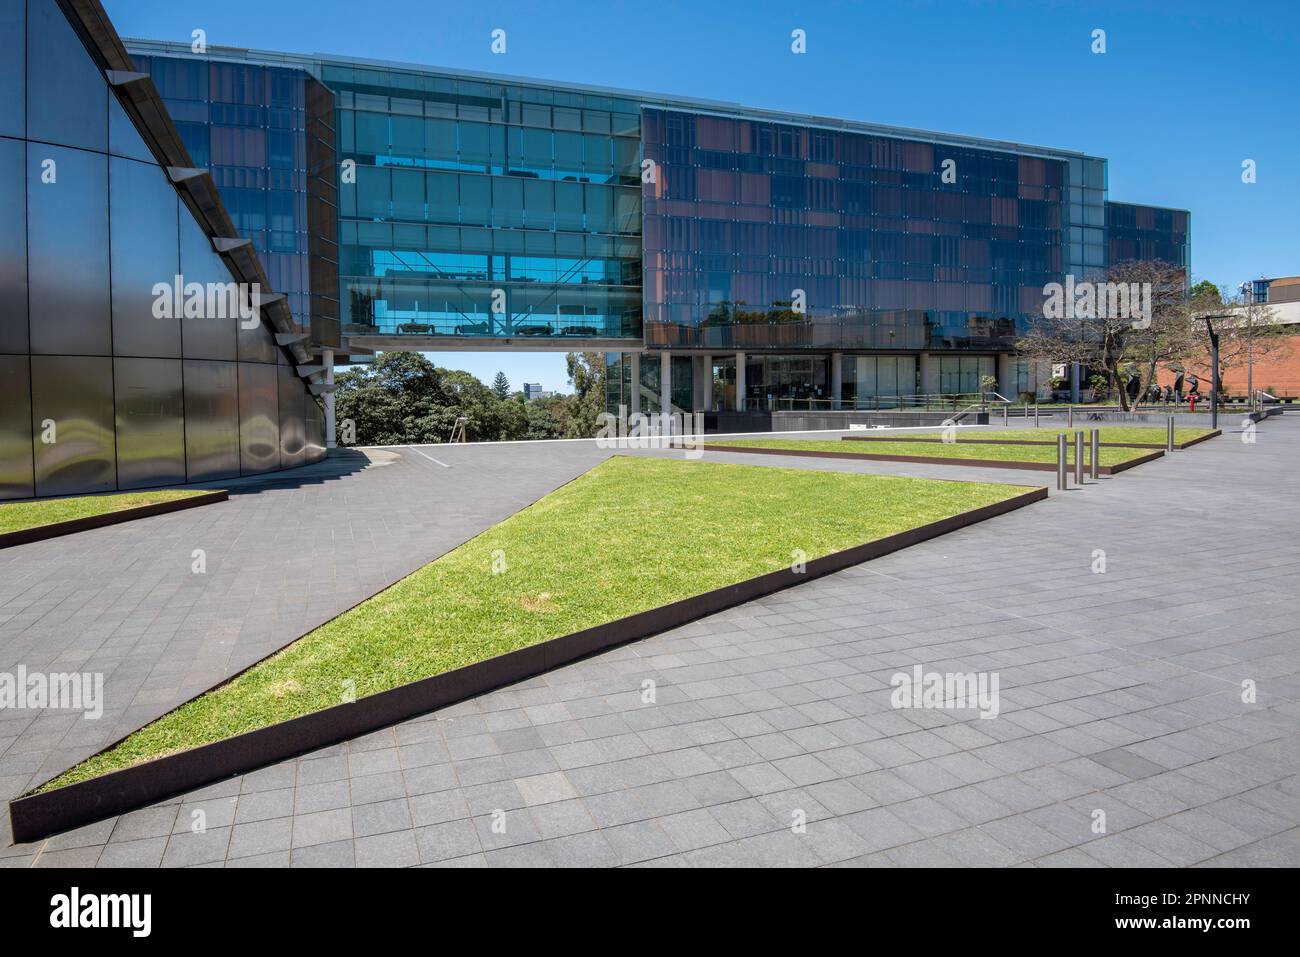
(96, 392)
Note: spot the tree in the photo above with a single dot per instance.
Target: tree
(1116, 335)
(501, 386)
(404, 399)
(587, 375)
(1206, 292)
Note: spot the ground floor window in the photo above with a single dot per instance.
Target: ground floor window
(962, 374)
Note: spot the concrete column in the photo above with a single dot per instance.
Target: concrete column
(837, 378)
(929, 373)
(1007, 376)
(665, 382)
(327, 360)
(708, 383)
(740, 381)
(636, 383)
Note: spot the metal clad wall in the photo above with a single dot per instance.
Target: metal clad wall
(96, 392)
(74, 394)
(15, 428)
(150, 422)
(13, 248)
(211, 419)
(259, 419)
(293, 428)
(67, 97)
(203, 338)
(13, 69)
(257, 345)
(67, 251)
(315, 439)
(143, 216)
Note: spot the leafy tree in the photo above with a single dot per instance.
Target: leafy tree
(587, 375)
(402, 398)
(1206, 292)
(501, 386)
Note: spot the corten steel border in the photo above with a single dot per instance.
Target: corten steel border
(991, 441)
(39, 533)
(37, 816)
(927, 459)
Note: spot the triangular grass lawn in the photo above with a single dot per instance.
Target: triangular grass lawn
(19, 516)
(1110, 454)
(632, 534)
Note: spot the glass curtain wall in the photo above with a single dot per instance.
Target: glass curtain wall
(482, 209)
(763, 235)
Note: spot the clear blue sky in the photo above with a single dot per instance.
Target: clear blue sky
(1185, 92)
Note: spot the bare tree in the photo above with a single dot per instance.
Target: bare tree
(1128, 325)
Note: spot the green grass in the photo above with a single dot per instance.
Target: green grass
(1109, 433)
(17, 516)
(632, 534)
(1110, 455)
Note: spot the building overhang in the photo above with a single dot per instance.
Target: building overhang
(416, 343)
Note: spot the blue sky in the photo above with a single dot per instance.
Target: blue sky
(1183, 94)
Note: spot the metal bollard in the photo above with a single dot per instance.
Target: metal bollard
(1096, 454)
(1069, 416)
(1035, 413)
(1078, 458)
(1062, 479)
(1005, 414)
(1169, 441)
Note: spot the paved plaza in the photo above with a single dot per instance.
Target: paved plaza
(771, 740)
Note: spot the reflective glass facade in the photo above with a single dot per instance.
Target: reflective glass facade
(473, 208)
(266, 135)
(483, 209)
(1149, 232)
(746, 215)
(96, 392)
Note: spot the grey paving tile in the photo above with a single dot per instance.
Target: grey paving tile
(322, 827)
(392, 849)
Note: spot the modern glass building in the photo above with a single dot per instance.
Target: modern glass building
(99, 204)
(722, 257)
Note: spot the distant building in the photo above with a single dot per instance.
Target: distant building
(533, 390)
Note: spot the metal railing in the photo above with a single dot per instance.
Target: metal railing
(960, 403)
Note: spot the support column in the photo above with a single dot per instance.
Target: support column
(929, 374)
(837, 378)
(1007, 376)
(327, 360)
(635, 400)
(708, 383)
(740, 382)
(665, 382)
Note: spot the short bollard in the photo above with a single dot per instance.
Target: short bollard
(1005, 414)
(1169, 441)
(1095, 458)
(1035, 413)
(1069, 416)
(1078, 458)
(1062, 480)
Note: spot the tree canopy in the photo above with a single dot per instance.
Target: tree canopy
(403, 398)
